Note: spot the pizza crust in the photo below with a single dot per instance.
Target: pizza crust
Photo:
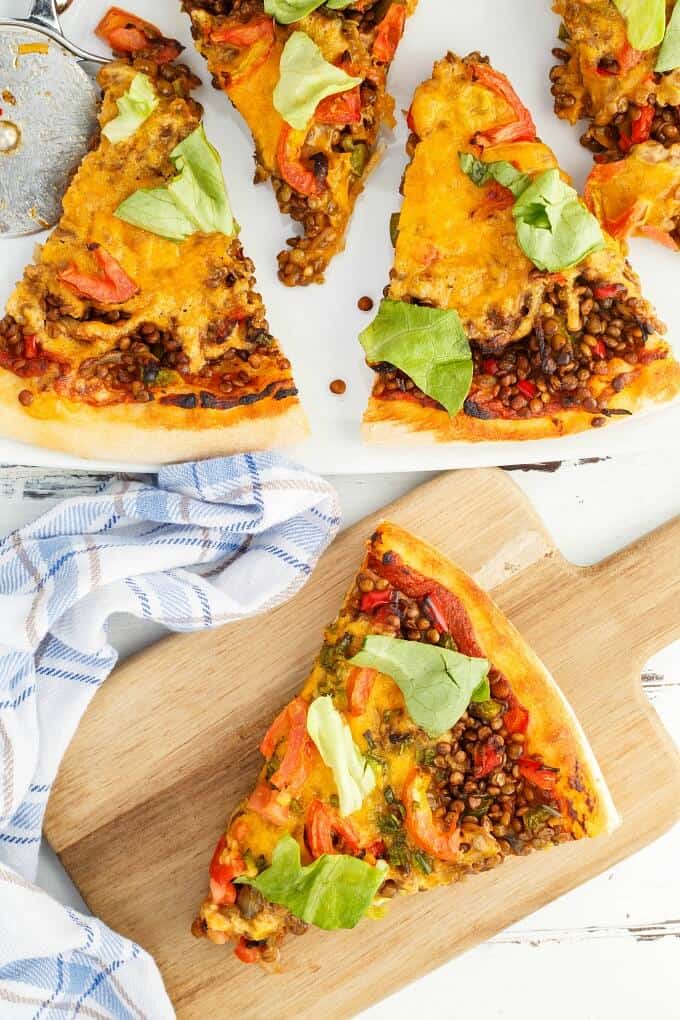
(147, 433)
(552, 722)
(389, 422)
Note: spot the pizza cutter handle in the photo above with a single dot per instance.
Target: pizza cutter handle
(44, 12)
(44, 17)
(643, 591)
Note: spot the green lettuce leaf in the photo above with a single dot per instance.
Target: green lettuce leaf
(335, 891)
(331, 734)
(669, 54)
(428, 344)
(437, 683)
(480, 173)
(288, 11)
(305, 79)
(155, 210)
(199, 190)
(554, 228)
(134, 107)
(195, 200)
(645, 21)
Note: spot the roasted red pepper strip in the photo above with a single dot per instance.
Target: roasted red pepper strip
(443, 844)
(265, 801)
(602, 173)
(291, 167)
(521, 128)
(542, 776)
(607, 290)
(371, 599)
(245, 33)
(416, 586)
(498, 197)
(359, 687)
(600, 349)
(516, 718)
(487, 757)
(527, 388)
(436, 613)
(246, 953)
(629, 221)
(322, 824)
(659, 235)
(389, 33)
(376, 848)
(490, 366)
(626, 58)
(342, 108)
(30, 346)
(291, 723)
(128, 33)
(113, 287)
(221, 873)
(640, 129)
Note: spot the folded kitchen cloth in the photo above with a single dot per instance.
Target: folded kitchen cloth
(196, 546)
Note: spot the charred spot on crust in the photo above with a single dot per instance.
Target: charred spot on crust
(475, 411)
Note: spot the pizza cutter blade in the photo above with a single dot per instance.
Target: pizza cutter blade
(49, 113)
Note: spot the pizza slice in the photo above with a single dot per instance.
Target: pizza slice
(620, 69)
(309, 78)
(427, 743)
(509, 314)
(138, 332)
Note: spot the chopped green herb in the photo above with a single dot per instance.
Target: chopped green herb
(389, 795)
(482, 807)
(427, 755)
(394, 228)
(359, 159)
(536, 817)
(388, 822)
(487, 710)
(423, 861)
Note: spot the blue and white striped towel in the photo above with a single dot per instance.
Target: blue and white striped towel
(198, 546)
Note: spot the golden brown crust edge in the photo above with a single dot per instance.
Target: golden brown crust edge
(552, 722)
(405, 421)
(147, 433)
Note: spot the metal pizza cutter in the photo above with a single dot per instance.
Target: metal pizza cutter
(48, 112)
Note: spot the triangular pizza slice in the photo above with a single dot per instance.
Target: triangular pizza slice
(619, 67)
(427, 743)
(510, 313)
(138, 333)
(309, 78)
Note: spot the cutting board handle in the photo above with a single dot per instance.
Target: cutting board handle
(643, 588)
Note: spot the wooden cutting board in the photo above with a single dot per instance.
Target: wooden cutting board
(169, 745)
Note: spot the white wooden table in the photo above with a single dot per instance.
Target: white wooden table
(610, 949)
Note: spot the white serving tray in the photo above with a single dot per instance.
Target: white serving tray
(318, 326)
